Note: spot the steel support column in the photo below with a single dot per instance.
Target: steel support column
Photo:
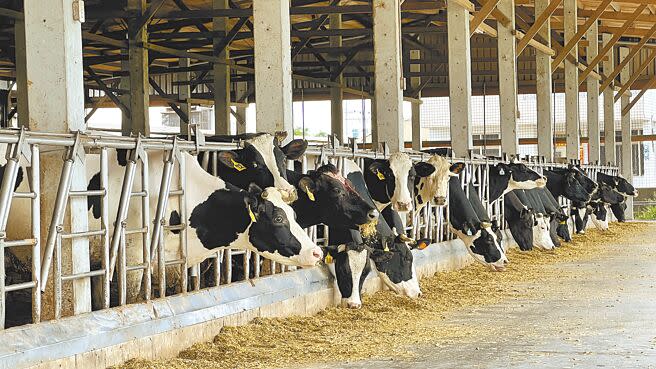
(626, 166)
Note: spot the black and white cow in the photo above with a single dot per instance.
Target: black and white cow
(327, 197)
(618, 183)
(434, 187)
(474, 230)
(392, 180)
(520, 220)
(351, 251)
(261, 161)
(566, 183)
(514, 176)
(543, 237)
(619, 211)
(559, 228)
(596, 209)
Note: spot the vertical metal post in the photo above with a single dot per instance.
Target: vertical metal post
(57, 275)
(36, 234)
(183, 216)
(104, 184)
(122, 270)
(145, 224)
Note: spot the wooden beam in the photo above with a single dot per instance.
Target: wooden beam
(571, 43)
(633, 51)
(538, 46)
(9, 13)
(481, 15)
(147, 16)
(107, 91)
(648, 86)
(539, 22)
(610, 44)
(465, 4)
(636, 74)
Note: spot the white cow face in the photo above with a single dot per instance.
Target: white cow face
(541, 236)
(486, 249)
(396, 269)
(350, 268)
(435, 186)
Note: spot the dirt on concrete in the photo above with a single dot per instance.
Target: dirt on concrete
(548, 309)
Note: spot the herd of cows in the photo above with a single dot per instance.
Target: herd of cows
(256, 203)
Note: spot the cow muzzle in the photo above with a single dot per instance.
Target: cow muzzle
(310, 257)
(403, 206)
(541, 182)
(440, 200)
(289, 195)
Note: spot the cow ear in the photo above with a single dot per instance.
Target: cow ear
(375, 168)
(424, 169)
(295, 149)
(457, 168)
(231, 160)
(306, 184)
(279, 137)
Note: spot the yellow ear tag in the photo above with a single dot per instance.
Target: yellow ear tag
(563, 222)
(380, 175)
(386, 249)
(310, 195)
(238, 166)
(250, 212)
(328, 259)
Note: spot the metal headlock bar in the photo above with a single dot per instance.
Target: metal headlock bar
(23, 147)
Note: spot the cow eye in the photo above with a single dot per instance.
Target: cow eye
(255, 165)
(278, 219)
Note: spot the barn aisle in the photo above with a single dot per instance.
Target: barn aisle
(589, 304)
(595, 312)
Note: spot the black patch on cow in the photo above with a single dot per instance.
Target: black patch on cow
(122, 157)
(398, 267)
(93, 202)
(175, 219)
(343, 270)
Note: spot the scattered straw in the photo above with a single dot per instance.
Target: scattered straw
(388, 324)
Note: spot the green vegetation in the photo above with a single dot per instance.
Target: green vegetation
(647, 212)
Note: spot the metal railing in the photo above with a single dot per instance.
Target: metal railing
(24, 147)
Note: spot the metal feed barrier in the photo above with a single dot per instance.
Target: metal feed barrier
(23, 149)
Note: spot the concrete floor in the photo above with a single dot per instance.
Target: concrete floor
(599, 313)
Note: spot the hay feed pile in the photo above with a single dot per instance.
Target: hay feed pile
(388, 324)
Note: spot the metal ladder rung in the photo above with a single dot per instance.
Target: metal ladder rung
(100, 192)
(24, 195)
(136, 230)
(17, 243)
(175, 262)
(139, 194)
(238, 252)
(93, 273)
(141, 266)
(100, 232)
(177, 227)
(179, 192)
(20, 286)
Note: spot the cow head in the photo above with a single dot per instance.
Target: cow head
(329, 198)
(618, 211)
(588, 183)
(563, 231)
(541, 232)
(275, 233)
(392, 180)
(522, 229)
(435, 186)
(515, 176)
(619, 183)
(486, 249)
(350, 266)
(261, 161)
(572, 188)
(599, 215)
(395, 266)
(608, 195)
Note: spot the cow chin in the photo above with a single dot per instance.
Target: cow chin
(409, 288)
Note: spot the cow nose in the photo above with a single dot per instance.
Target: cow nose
(354, 305)
(317, 253)
(440, 200)
(505, 261)
(373, 214)
(403, 206)
(419, 294)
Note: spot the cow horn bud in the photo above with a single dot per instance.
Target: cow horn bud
(265, 194)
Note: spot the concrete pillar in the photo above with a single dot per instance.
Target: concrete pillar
(609, 106)
(415, 82)
(55, 93)
(592, 93)
(336, 94)
(184, 93)
(139, 85)
(507, 79)
(626, 168)
(543, 90)
(124, 84)
(459, 78)
(221, 75)
(374, 123)
(388, 72)
(21, 77)
(240, 109)
(273, 66)
(571, 84)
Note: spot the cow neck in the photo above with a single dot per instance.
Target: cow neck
(498, 185)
